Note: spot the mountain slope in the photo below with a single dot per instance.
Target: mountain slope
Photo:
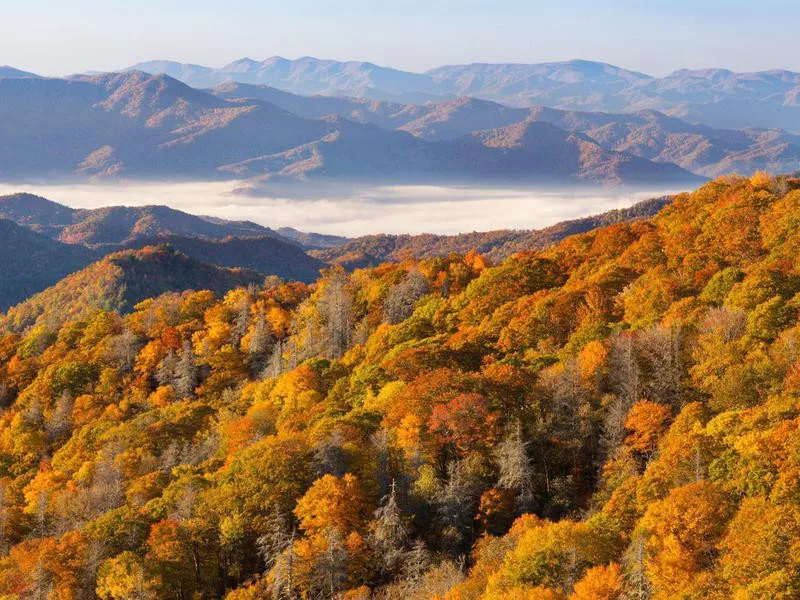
(389, 115)
(8, 72)
(32, 262)
(120, 281)
(715, 97)
(266, 255)
(617, 416)
(117, 224)
(134, 125)
(526, 152)
(646, 133)
(496, 246)
(311, 240)
(138, 125)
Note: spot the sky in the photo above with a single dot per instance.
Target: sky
(54, 37)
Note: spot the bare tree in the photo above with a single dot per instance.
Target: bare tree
(399, 303)
(516, 470)
(278, 537)
(336, 307)
(59, 423)
(636, 582)
(165, 375)
(284, 584)
(186, 372)
(416, 561)
(625, 372)
(389, 533)
(241, 320)
(258, 346)
(455, 506)
(660, 349)
(124, 348)
(330, 570)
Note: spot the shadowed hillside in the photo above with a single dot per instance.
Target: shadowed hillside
(119, 282)
(32, 262)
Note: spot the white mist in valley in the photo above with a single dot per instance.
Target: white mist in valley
(354, 210)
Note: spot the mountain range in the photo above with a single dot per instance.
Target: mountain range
(136, 125)
(715, 97)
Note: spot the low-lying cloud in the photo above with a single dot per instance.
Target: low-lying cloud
(355, 209)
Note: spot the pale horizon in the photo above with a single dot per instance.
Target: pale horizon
(656, 40)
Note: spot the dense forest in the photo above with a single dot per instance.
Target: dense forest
(615, 416)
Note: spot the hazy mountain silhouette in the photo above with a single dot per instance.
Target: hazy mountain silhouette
(135, 125)
(715, 97)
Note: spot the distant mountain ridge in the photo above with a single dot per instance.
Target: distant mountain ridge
(135, 125)
(646, 133)
(768, 99)
(11, 73)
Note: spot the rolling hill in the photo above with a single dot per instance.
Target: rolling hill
(116, 225)
(43, 241)
(528, 152)
(120, 281)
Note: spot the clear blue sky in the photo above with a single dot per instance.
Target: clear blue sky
(55, 37)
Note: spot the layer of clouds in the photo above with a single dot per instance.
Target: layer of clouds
(352, 209)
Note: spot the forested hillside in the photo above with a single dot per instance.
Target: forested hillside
(615, 416)
(32, 261)
(371, 250)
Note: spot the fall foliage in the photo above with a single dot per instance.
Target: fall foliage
(616, 416)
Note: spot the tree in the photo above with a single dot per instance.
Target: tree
(186, 372)
(399, 303)
(278, 537)
(330, 568)
(332, 503)
(599, 583)
(684, 529)
(516, 470)
(336, 306)
(123, 578)
(283, 576)
(647, 422)
(416, 561)
(389, 533)
(258, 346)
(455, 507)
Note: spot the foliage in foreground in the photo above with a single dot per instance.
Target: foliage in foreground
(614, 417)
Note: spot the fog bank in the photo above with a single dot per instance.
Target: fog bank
(354, 210)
